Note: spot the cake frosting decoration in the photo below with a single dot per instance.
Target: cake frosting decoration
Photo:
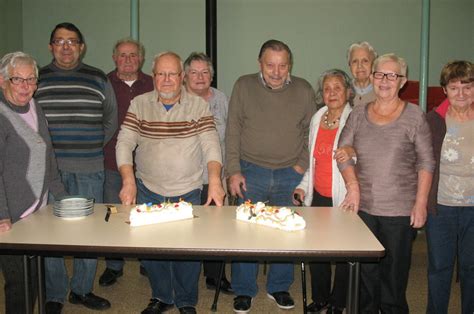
(147, 214)
(281, 218)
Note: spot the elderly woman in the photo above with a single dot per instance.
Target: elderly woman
(360, 57)
(322, 184)
(450, 224)
(27, 165)
(388, 185)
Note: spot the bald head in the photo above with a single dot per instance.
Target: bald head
(168, 75)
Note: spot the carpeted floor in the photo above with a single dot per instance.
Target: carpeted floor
(131, 292)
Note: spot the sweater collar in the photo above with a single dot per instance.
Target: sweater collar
(362, 90)
(15, 108)
(55, 68)
(442, 109)
(114, 77)
(262, 80)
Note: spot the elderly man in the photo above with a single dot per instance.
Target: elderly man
(79, 104)
(199, 72)
(128, 82)
(267, 154)
(169, 167)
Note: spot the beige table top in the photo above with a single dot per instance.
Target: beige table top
(329, 232)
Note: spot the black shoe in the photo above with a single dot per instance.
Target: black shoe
(187, 310)
(109, 277)
(315, 308)
(89, 300)
(156, 307)
(334, 310)
(283, 299)
(143, 271)
(226, 288)
(242, 304)
(53, 307)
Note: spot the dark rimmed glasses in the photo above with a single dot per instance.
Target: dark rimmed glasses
(19, 80)
(389, 76)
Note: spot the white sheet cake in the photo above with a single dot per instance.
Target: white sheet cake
(147, 214)
(281, 218)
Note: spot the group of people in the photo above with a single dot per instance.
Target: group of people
(127, 137)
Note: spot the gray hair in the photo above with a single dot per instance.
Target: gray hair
(199, 56)
(276, 45)
(392, 57)
(162, 54)
(14, 59)
(346, 80)
(129, 40)
(364, 45)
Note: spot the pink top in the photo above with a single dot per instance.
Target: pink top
(31, 118)
(388, 159)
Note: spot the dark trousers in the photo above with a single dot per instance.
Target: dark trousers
(321, 272)
(13, 274)
(211, 268)
(383, 284)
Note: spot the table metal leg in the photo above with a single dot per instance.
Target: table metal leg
(26, 278)
(218, 288)
(40, 272)
(353, 288)
(303, 283)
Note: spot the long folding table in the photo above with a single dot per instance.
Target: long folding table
(331, 234)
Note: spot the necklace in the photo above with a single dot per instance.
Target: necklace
(330, 124)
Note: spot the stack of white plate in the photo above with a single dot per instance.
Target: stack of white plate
(73, 207)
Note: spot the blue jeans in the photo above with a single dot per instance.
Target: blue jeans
(82, 281)
(112, 187)
(172, 282)
(449, 232)
(275, 186)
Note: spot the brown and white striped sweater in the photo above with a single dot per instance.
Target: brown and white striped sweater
(171, 146)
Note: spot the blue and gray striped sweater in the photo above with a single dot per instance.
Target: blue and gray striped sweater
(81, 110)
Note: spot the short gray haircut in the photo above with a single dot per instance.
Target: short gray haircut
(165, 53)
(14, 59)
(346, 80)
(129, 40)
(364, 45)
(198, 56)
(391, 57)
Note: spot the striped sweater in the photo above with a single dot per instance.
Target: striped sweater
(171, 146)
(81, 110)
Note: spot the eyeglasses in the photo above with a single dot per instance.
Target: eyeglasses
(389, 76)
(69, 42)
(19, 80)
(170, 75)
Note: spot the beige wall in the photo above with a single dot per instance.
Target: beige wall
(11, 26)
(318, 31)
